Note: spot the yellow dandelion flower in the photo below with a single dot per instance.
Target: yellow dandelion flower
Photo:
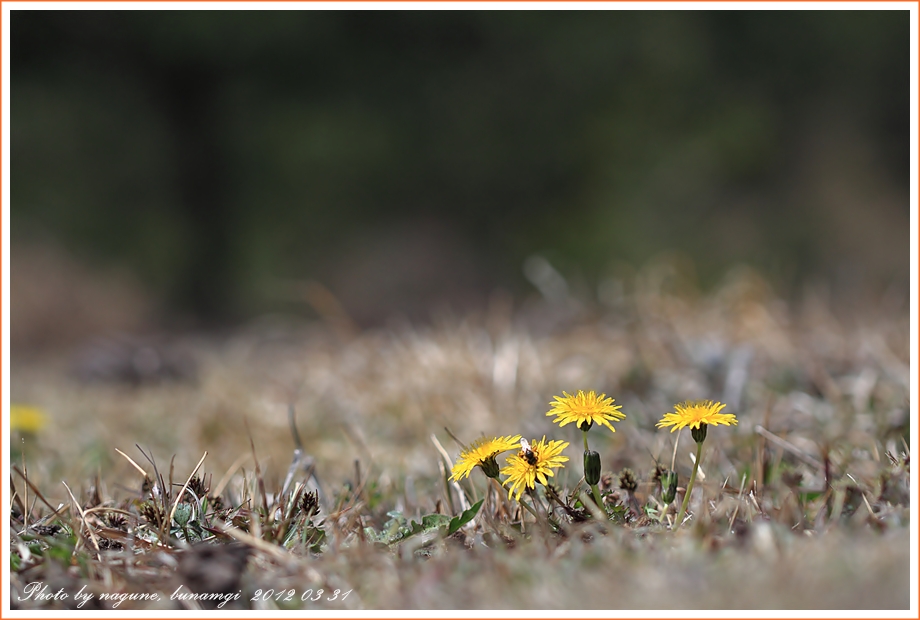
(482, 453)
(585, 409)
(27, 419)
(534, 462)
(698, 416)
(695, 414)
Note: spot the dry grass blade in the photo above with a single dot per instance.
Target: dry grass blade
(230, 471)
(55, 512)
(301, 461)
(105, 509)
(274, 551)
(445, 475)
(92, 534)
(172, 513)
(789, 447)
(17, 501)
(731, 521)
(260, 480)
(130, 460)
(27, 512)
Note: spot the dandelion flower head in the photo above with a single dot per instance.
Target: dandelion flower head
(27, 419)
(535, 462)
(585, 408)
(480, 451)
(694, 414)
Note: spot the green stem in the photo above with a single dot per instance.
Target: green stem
(597, 497)
(585, 435)
(529, 509)
(683, 504)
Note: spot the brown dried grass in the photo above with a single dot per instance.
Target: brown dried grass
(815, 394)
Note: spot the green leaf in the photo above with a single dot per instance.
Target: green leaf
(316, 538)
(61, 550)
(183, 512)
(465, 517)
(433, 521)
(369, 533)
(429, 523)
(810, 496)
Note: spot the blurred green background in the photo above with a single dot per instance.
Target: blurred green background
(234, 163)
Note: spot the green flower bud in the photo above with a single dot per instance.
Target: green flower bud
(699, 434)
(592, 467)
(490, 467)
(668, 486)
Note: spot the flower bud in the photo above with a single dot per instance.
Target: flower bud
(668, 486)
(489, 467)
(699, 434)
(592, 467)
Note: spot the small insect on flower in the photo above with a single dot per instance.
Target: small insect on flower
(534, 463)
(527, 454)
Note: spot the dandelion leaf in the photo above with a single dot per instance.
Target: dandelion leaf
(465, 517)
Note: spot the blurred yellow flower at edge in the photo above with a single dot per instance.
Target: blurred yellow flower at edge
(27, 418)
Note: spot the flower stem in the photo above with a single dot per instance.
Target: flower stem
(597, 497)
(529, 509)
(676, 443)
(585, 436)
(696, 466)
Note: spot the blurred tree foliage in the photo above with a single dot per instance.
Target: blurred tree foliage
(218, 152)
